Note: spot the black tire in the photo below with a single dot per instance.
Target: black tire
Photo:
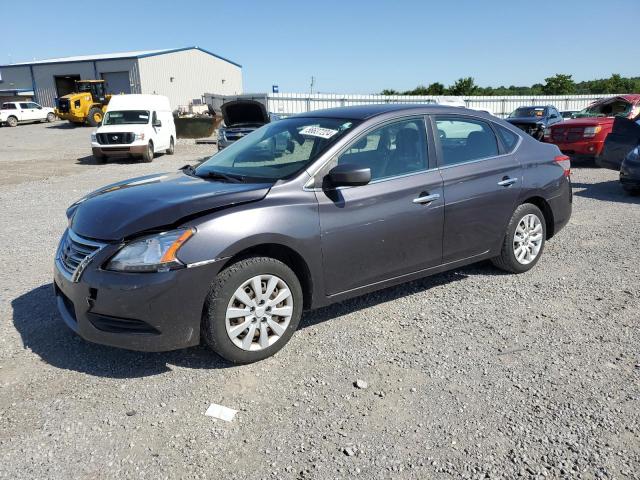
(172, 147)
(12, 121)
(220, 294)
(631, 190)
(507, 259)
(148, 154)
(51, 117)
(92, 117)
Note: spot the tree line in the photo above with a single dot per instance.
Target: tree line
(559, 84)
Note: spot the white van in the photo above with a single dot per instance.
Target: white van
(139, 125)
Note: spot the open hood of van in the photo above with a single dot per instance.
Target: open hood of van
(126, 208)
(240, 112)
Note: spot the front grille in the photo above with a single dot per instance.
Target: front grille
(115, 138)
(236, 134)
(121, 325)
(63, 105)
(567, 134)
(75, 252)
(527, 127)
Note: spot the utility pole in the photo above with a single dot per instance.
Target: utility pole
(313, 81)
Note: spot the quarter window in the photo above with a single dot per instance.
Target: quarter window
(396, 149)
(509, 139)
(9, 106)
(464, 140)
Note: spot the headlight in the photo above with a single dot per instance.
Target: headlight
(139, 136)
(154, 253)
(590, 132)
(94, 137)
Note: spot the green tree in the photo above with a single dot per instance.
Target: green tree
(559, 84)
(389, 91)
(463, 86)
(436, 88)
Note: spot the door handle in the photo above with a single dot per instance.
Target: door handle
(507, 182)
(426, 198)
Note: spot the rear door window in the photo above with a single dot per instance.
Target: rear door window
(464, 139)
(25, 105)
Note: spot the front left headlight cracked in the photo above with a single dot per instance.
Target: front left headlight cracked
(152, 253)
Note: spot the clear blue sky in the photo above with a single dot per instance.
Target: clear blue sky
(349, 46)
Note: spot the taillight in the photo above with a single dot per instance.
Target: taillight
(590, 132)
(565, 163)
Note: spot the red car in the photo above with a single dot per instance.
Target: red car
(584, 135)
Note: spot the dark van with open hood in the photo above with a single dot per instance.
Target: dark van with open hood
(241, 117)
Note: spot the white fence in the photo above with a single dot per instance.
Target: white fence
(291, 103)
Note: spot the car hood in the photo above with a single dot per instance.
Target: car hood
(244, 111)
(123, 209)
(525, 120)
(584, 122)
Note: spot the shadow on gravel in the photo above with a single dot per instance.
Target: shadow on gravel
(36, 318)
(610, 191)
(393, 293)
(63, 125)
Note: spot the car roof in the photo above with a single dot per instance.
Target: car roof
(364, 112)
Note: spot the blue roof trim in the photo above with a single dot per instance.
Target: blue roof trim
(163, 52)
(189, 48)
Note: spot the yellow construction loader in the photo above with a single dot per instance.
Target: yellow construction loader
(86, 105)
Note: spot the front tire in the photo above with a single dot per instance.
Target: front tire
(147, 156)
(523, 241)
(50, 117)
(252, 309)
(94, 117)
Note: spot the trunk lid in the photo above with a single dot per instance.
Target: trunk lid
(240, 112)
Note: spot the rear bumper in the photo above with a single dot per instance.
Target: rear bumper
(562, 207)
(145, 312)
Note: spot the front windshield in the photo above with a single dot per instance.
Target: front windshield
(277, 150)
(135, 117)
(524, 112)
(609, 108)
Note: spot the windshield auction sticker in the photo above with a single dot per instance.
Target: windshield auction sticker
(313, 131)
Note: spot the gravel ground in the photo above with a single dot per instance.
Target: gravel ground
(468, 374)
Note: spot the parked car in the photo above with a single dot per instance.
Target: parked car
(583, 136)
(241, 117)
(620, 153)
(137, 125)
(366, 197)
(13, 113)
(535, 119)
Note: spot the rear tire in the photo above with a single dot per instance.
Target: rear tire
(12, 121)
(172, 147)
(523, 241)
(147, 156)
(94, 117)
(275, 280)
(50, 117)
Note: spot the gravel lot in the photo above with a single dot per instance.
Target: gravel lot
(468, 374)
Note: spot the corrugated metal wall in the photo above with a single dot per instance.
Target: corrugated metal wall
(45, 83)
(291, 103)
(187, 75)
(15, 78)
(123, 65)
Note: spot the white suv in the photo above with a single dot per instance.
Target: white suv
(13, 113)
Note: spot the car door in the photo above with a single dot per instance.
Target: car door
(158, 132)
(393, 225)
(481, 181)
(38, 113)
(25, 112)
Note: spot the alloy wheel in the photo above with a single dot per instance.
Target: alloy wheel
(527, 239)
(259, 312)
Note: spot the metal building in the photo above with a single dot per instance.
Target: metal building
(182, 74)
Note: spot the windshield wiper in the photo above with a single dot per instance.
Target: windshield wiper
(221, 176)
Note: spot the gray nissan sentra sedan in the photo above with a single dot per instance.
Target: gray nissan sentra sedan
(301, 213)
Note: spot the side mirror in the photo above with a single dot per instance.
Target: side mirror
(39, 107)
(157, 123)
(348, 175)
